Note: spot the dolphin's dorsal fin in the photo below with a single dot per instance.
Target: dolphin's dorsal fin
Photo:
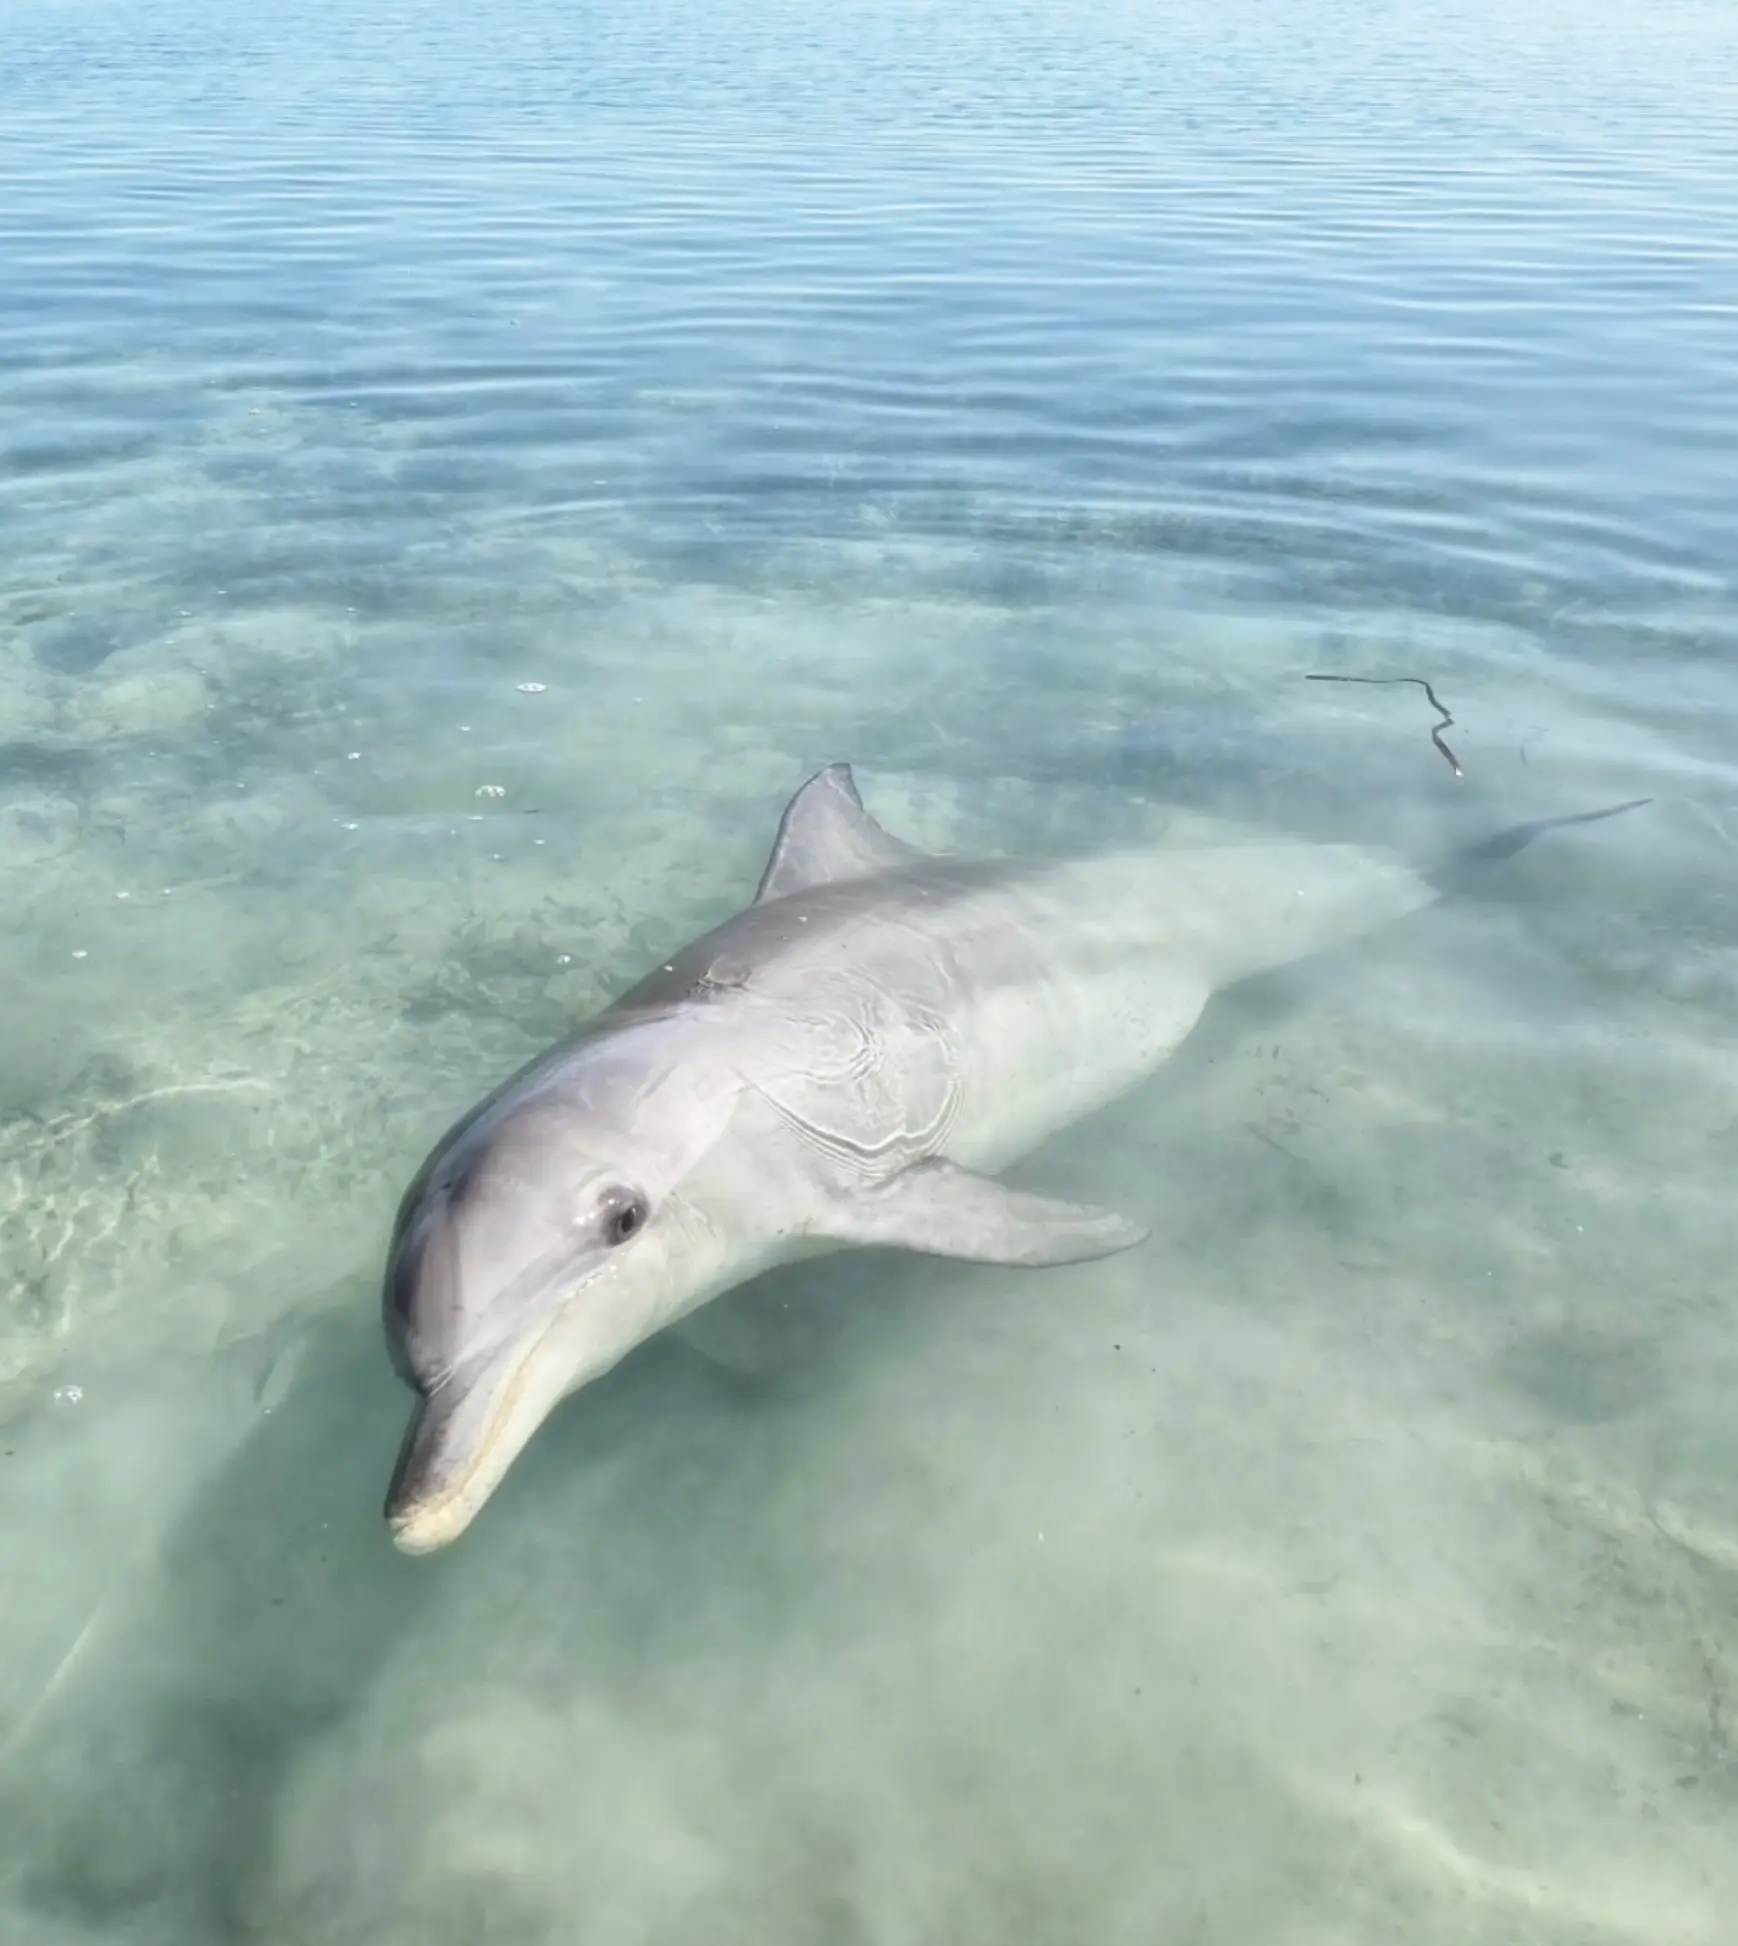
(826, 836)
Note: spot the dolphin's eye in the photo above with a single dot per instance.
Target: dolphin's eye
(624, 1215)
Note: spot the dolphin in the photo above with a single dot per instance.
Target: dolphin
(848, 1061)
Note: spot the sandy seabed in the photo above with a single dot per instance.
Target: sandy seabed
(1355, 1562)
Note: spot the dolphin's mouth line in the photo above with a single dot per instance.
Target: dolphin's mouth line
(423, 1508)
(542, 1289)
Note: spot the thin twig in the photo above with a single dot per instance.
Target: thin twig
(1447, 721)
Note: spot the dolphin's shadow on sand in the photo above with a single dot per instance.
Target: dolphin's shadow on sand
(146, 1798)
(142, 1797)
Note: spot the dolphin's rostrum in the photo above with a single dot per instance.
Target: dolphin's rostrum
(849, 1061)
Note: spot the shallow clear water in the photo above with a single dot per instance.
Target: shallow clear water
(1019, 400)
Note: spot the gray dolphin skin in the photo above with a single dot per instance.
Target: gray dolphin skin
(847, 1062)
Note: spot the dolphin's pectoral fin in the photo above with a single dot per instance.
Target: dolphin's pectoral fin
(949, 1212)
(826, 836)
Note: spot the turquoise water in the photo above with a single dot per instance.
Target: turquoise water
(459, 471)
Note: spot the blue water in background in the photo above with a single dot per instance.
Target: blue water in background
(459, 470)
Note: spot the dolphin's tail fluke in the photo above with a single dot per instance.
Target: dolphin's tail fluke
(1465, 867)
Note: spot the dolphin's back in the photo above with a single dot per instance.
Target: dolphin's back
(1073, 982)
(1010, 1000)
(1231, 911)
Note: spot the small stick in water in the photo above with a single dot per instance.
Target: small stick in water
(1437, 729)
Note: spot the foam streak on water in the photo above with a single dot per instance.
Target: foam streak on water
(459, 469)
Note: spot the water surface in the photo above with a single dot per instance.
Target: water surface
(459, 470)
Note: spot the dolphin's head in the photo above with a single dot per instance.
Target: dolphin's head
(542, 1241)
